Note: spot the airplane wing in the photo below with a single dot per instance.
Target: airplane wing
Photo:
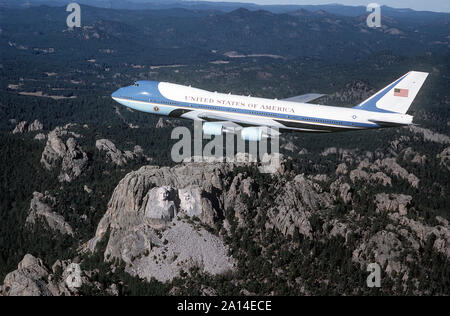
(304, 98)
(227, 121)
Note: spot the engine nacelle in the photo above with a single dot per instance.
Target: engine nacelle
(211, 128)
(254, 134)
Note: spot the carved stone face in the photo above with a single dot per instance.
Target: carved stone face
(190, 201)
(164, 193)
(186, 196)
(161, 203)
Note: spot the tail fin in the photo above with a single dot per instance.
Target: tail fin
(398, 96)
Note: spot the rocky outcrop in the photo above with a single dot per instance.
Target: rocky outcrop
(415, 157)
(67, 154)
(342, 191)
(319, 177)
(290, 146)
(117, 156)
(385, 247)
(417, 233)
(298, 200)
(20, 128)
(341, 152)
(420, 232)
(376, 172)
(393, 202)
(360, 173)
(87, 189)
(40, 136)
(444, 156)
(74, 161)
(35, 126)
(149, 218)
(273, 163)
(381, 177)
(429, 135)
(32, 278)
(41, 207)
(166, 123)
(23, 127)
(395, 169)
(154, 216)
(341, 169)
(337, 228)
(398, 143)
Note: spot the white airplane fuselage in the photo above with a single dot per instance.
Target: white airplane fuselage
(233, 112)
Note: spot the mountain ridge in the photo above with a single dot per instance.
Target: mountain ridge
(339, 9)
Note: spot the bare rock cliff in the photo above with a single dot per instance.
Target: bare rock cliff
(41, 207)
(32, 278)
(66, 154)
(150, 220)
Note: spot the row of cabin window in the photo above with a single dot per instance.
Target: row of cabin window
(258, 113)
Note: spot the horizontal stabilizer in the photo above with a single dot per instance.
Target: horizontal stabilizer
(304, 98)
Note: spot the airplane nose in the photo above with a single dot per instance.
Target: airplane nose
(120, 93)
(116, 94)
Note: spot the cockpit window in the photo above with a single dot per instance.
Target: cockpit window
(136, 84)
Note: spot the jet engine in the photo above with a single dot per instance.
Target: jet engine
(211, 128)
(254, 134)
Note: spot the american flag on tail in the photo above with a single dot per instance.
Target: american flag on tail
(401, 92)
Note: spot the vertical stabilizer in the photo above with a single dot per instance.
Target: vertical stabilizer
(398, 96)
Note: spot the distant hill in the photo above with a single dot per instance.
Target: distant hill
(337, 9)
(190, 36)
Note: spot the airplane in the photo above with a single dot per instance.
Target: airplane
(257, 118)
